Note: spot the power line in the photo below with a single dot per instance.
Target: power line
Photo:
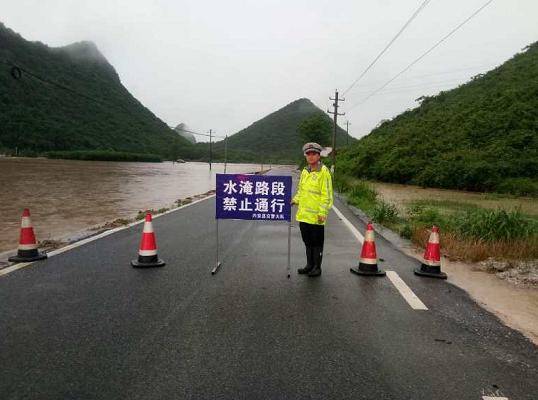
(411, 78)
(17, 70)
(417, 86)
(417, 11)
(424, 54)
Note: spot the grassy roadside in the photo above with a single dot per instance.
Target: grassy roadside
(469, 231)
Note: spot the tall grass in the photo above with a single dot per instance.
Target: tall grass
(468, 231)
(362, 195)
(385, 213)
(491, 225)
(457, 247)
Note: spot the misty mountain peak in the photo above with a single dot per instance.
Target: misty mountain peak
(84, 51)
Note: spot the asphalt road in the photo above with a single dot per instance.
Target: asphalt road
(85, 325)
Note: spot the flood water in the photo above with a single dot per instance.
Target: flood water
(68, 196)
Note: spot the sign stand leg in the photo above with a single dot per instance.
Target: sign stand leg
(217, 262)
(289, 249)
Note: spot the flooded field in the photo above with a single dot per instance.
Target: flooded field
(67, 196)
(403, 195)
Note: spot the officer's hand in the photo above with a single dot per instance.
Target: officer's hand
(321, 218)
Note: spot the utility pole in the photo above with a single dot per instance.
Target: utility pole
(335, 114)
(210, 147)
(347, 131)
(225, 152)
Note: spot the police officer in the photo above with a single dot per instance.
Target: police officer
(314, 198)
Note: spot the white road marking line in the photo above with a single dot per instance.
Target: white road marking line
(7, 270)
(350, 226)
(406, 291)
(53, 253)
(494, 398)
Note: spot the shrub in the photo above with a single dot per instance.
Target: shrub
(342, 183)
(519, 187)
(384, 212)
(406, 231)
(363, 190)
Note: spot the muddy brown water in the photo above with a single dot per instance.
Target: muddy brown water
(68, 196)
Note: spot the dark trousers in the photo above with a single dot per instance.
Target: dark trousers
(313, 235)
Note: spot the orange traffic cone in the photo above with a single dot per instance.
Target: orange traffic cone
(147, 254)
(431, 264)
(27, 250)
(368, 259)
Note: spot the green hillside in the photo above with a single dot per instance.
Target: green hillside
(481, 136)
(275, 137)
(37, 116)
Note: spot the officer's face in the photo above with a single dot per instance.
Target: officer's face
(312, 157)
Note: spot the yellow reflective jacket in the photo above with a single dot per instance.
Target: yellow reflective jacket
(314, 195)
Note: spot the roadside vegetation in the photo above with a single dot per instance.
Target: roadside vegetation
(103, 155)
(469, 231)
(481, 136)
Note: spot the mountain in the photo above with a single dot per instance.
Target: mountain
(274, 137)
(183, 131)
(480, 136)
(71, 98)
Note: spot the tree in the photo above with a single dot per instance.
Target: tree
(316, 128)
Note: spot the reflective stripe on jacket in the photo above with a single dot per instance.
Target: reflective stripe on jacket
(314, 195)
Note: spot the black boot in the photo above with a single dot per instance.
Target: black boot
(309, 264)
(317, 256)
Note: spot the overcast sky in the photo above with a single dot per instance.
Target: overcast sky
(225, 64)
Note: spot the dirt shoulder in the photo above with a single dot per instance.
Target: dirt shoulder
(516, 306)
(513, 301)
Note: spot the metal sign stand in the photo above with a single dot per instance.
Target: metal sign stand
(289, 248)
(217, 262)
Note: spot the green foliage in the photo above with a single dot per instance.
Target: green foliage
(273, 138)
(406, 231)
(358, 193)
(519, 187)
(491, 225)
(385, 213)
(37, 117)
(342, 183)
(99, 155)
(464, 219)
(474, 222)
(426, 216)
(363, 190)
(316, 128)
(481, 136)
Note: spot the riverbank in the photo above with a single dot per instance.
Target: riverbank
(74, 237)
(49, 245)
(103, 155)
(66, 197)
